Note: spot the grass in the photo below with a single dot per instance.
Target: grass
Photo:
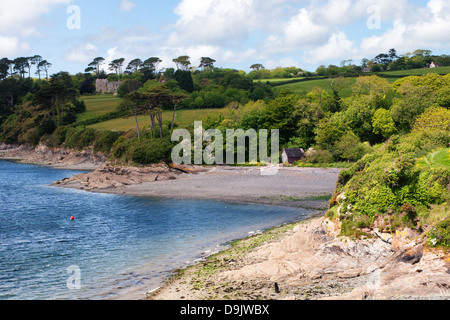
(417, 72)
(183, 119)
(275, 80)
(440, 158)
(103, 104)
(306, 86)
(98, 105)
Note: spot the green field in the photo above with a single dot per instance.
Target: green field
(417, 72)
(183, 119)
(98, 105)
(307, 86)
(277, 80)
(440, 158)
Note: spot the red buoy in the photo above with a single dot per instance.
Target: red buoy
(72, 218)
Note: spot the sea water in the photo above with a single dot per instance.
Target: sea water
(117, 247)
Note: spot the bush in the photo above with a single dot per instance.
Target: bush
(105, 141)
(142, 152)
(152, 151)
(389, 181)
(79, 137)
(439, 235)
(319, 156)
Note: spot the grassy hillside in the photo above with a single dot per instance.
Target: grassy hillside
(183, 118)
(417, 72)
(440, 158)
(98, 105)
(307, 86)
(101, 105)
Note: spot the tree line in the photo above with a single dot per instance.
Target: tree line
(22, 66)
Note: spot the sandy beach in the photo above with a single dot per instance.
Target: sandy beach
(290, 187)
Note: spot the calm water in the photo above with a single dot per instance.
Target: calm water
(123, 246)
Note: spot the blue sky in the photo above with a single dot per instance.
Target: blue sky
(236, 33)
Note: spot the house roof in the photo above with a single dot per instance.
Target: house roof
(295, 153)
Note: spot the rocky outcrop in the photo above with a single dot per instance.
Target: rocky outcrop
(314, 262)
(386, 269)
(109, 176)
(55, 157)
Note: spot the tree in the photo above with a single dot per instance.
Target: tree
(45, 66)
(383, 123)
(206, 63)
(393, 55)
(329, 131)
(87, 86)
(55, 94)
(185, 80)
(176, 98)
(183, 63)
(20, 64)
(96, 64)
(136, 100)
(156, 99)
(257, 67)
(364, 62)
(350, 147)
(373, 85)
(422, 53)
(152, 64)
(4, 68)
(435, 119)
(36, 60)
(337, 85)
(116, 65)
(89, 69)
(414, 101)
(134, 65)
(128, 86)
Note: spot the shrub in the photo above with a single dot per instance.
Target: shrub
(105, 141)
(439, 235)
(319, 156)
(389, 181)
(142, 152)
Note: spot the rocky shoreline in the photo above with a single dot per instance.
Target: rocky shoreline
(307, 260)
(86, 160)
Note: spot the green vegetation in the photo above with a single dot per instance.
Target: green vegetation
(391, 129)
(98, 106)
(183, 119)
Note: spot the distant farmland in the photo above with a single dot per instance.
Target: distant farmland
(392, 76)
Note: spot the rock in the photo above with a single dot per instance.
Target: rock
(403, 238)
(111, 177)
(412, 255)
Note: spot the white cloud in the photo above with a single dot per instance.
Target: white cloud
(419, 29)
(21, 16)
(11, 46)
(127, 5)
(338, 47)
(82, 53)
(19, 21)
(217, 22)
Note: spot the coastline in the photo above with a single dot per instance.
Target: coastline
(303, 260)
(54, 158)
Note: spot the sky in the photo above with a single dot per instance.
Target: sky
(236, 33)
